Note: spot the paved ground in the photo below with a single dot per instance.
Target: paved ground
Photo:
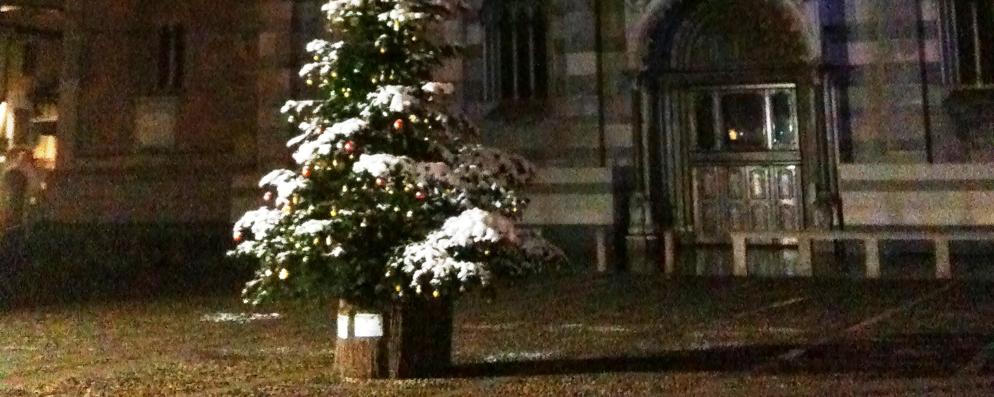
(584, 335)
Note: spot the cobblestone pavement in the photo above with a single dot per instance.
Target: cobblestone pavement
(577, 335)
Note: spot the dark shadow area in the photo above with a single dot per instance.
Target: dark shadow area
(12, 262)
(61, 263)
(730, 359)
(907, 355)
(972, 259)
(898, 356)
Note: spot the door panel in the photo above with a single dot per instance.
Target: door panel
(745, 161)
(758, 183)
(738, 215)
(736, 183)
(755, 198)
(760, 217)
(788, 198)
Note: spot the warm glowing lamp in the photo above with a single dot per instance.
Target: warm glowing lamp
(6, 127)
(46, 151)
(733, 135)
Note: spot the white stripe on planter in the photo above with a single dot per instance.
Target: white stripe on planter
(343, 326)
(368, 325)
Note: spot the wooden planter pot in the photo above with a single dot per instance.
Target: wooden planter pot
(412, 339)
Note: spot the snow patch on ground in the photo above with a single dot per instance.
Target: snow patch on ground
(239, 318)
(491, 327)
(608, 329)
(19, 348)
(517, 356)
(603, 329)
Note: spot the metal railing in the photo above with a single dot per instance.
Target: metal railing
(871, 245)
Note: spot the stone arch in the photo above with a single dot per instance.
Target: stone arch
(662, 20)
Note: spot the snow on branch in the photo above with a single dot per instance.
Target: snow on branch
(379, 165)
(286, 183)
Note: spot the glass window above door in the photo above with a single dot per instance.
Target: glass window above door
(743, 122)
(745, 119)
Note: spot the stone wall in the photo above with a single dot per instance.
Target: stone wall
(577, 134)
(883, 76)
(241, 66)
(565, 130)
(947, 195)
(148, 177)
(203, 140)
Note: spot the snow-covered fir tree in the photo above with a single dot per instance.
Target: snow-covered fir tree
(390, 198)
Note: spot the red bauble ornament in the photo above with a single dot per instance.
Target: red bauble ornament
(398, 125)
(306, 172)
(420, 196)
(349, 147)
(381, 182)
(237, 237)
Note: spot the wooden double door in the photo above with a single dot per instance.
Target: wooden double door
(746, 197)
(745, 162)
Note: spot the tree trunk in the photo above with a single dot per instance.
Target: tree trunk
(412, 339)
(361, 347)
(421, 338)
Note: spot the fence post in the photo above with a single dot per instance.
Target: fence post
(804, 257)
(669, 253)
(943, 269)
(872, 258)
(739, 255)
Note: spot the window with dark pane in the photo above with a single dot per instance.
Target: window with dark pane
(743, 121)
(784, 127)
(974, 32)
(172, 43)
(985, 30)
(514, 51)
(539, 66)
(704, 121)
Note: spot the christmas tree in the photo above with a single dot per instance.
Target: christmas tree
(390, 199)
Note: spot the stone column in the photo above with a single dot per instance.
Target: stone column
(73, 38)
(21, 139)
(642, 239)
(635, 20)
(276, 74)
(257, 154)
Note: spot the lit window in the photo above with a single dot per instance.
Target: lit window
(972, 27)
(172, 42)
(46, 151)
(514, 51)
(745, 120)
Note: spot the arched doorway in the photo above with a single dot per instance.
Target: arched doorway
(735, 107)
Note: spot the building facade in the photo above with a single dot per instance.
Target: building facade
(648, 118)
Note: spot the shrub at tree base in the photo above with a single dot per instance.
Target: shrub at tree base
(391, 207)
